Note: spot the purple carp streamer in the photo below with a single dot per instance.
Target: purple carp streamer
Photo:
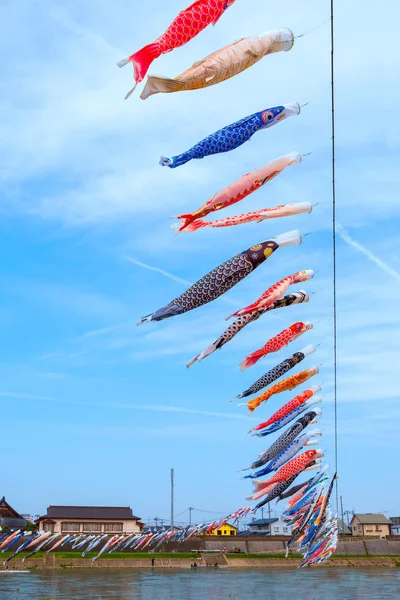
(224, 277)
(241, 322)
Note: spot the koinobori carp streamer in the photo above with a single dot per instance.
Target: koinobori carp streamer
(222, 64)
(224, 277)
(275, 292)
(256, 216)
(239, 189)
(290, 383)
(278, 371)
(189, 23)
(241, 322)
(234, 135)
(276, 343)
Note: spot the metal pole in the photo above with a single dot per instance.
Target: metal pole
(341, 508)
(172, 497)
(269, 517)
(190, 514)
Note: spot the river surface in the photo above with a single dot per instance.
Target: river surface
(222, 584)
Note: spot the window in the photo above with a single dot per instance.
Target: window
(232, 533)
(113, 527)
(219, 532)
(48, 527)
(225, 532)
(276, 529)
(377, 528)
(75, 527)
(285, 529)
(89, 527)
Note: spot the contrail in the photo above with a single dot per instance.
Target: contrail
(158, 270)
(382, 265)
(170, 276)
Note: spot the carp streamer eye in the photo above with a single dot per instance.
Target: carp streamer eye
(267, 116)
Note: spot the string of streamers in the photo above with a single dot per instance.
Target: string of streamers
(334, 246)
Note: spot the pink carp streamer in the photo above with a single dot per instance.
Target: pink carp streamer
(240, 189)
(257, 216)
(284, 338)
(274, 293)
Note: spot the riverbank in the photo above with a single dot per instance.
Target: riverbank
(176, 561)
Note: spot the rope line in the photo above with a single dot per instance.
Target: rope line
(333, 125)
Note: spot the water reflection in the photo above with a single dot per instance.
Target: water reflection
(223, 584)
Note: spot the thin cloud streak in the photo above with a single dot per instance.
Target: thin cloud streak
(357, 246)
(158, 270)
(178, 409)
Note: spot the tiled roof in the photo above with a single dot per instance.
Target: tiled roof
(90, 512)
(372, 519)
(12, 511)
(263, 522)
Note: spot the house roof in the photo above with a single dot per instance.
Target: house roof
(371, 519)
(263, 522)
(90, 512)
(12, 511)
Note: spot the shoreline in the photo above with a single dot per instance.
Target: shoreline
(51, 562)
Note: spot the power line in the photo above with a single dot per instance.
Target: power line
(333, 125)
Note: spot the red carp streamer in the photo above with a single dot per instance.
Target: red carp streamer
(284, 338)
(274, 293)
(189, 23)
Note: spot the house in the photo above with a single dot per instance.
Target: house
(369, 524)
(395, 527)
(269, 527)
(9, 516)
(90, 519)
(226, 529)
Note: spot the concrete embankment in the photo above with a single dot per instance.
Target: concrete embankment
(52, 562)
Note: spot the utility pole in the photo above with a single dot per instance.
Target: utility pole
(190, 514)
(156, 521)
(262, 513)
(172, 497)
(341, 510)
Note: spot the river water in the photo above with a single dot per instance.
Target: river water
(202, 584)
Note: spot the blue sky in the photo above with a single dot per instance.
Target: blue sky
(95, 410)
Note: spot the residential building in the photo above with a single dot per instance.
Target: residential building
(269, 527)
(9, 516)
(90, 519)
(369, 524)
(395, 527)
(226, 529)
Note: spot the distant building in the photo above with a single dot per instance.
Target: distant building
(30, 518)
(369, 524)
(90, 519)
(269, 527)
(9, 516)
(343, 529)
(395, 527)
(226, 529)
